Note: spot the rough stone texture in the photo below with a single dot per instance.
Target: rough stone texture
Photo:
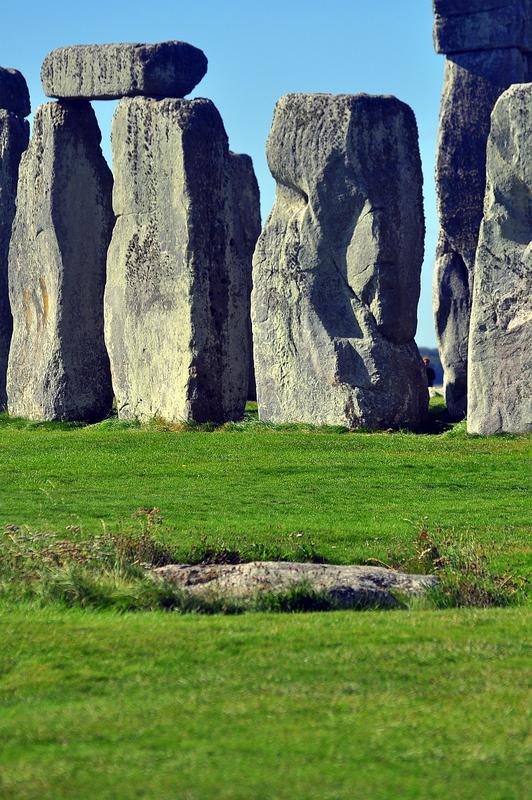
(246, 231)
(177, 295)
(350, 586)
(14, 94)
(473, 82)
(447, 8)
(500, 366)
(336, 268)
(14, 136)
(58, 366)
(482, 25)
(107, 71)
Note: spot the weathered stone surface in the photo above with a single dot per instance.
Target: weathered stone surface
(246, 231)
(14, 95)
(107, 71)
(336, 268)
(482, 26)
(473, 82)
(14, 136)
(58, 366)
(500, 365)
(448, 8)
(177, 295)
(350, 586)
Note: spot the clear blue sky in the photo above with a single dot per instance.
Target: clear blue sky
(257, 52)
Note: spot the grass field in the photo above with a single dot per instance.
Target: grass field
(417, 704)
(353, 495)
(378, 705)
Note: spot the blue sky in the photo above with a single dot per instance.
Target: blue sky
(257, 52)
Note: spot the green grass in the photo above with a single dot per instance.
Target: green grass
(353, 495)
(334, 705)
(108, 571)
(328, 706)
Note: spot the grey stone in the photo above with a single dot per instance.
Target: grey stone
(108, 71)
(350, 586)
(246, 231)
(177, 294)
(336, 269)
(14, 95)
(500, 365)
(14, 136)
(473, 82)
(450, 7)
(504, 25)
(58, 366)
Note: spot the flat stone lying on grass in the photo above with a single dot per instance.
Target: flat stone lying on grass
(14, 94)
(349, 586)
(111, 71)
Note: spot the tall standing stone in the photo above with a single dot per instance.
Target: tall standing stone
(246, 223)
(14, 137)
(486, 43)
(337, 267)
(177, 294)
(500, 353)
(58, 366)
(14, 95)
(466, 25)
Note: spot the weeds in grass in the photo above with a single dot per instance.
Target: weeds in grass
(110, 571)
(217, 552)
(184, 426)
(463, 570)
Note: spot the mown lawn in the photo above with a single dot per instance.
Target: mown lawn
(378, 705)
(354, 496)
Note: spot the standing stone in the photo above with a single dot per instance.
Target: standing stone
(337, 267)
(14, 95)
(177, 294)
(500, 356)
(111, 71)
(246, 231)
(474, 78)
(473, 82)
(14, 137)
(58, 366)
(465, 25)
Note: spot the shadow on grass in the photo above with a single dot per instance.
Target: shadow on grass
(437, 423)
(21, 424)
(438, 420)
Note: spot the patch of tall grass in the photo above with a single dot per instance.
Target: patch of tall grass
(113, 571)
